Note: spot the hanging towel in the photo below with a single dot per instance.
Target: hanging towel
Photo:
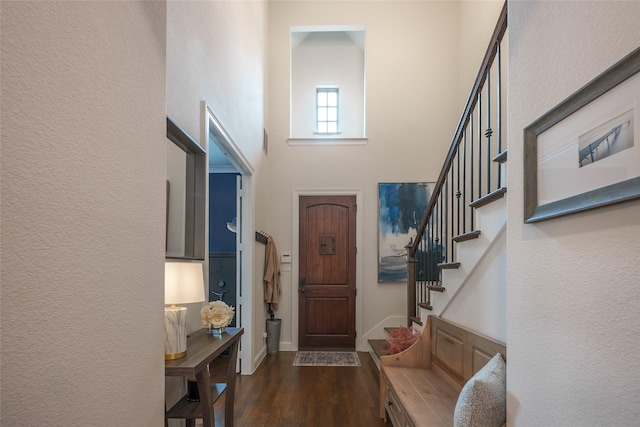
(272, 287)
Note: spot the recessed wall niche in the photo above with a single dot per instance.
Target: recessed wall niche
(328, 56)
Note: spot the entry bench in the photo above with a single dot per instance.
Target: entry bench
(419, 387)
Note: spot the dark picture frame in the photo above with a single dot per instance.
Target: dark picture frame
(194, 171)
(559, 147)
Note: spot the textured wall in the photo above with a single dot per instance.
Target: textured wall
(83, 165)
(573, 321)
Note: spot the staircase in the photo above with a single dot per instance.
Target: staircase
(457, 263)
(473, 294)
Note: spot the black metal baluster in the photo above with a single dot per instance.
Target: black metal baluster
(488, 132)
(499, 110)
(440, 226)
(458, 193)
(425, 255)
(421, 275)
(479, 105)
(471, 164)
(429, 243)
(425, 244)
(432, 242)
(438, 233)
(445, 236)
(430, 257)
(464, 182)
(451, 219)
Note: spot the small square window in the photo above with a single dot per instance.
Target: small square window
(327, 110)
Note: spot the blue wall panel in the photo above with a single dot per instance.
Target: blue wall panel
(222, 209)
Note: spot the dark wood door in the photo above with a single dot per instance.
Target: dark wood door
(327, 281)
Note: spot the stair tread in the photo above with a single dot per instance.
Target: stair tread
(449, 265)
(425, 306)
(467, 236)
(501, 157)
(379, 347)
(491, 197)
(416, 320)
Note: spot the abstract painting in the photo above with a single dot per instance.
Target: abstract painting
(400, 210)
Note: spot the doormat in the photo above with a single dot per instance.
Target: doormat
(326, 358)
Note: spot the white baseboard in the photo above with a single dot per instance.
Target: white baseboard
(258, 360)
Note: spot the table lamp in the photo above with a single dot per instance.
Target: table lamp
(183, 284)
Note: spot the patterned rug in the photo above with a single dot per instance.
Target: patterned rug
(326, 358)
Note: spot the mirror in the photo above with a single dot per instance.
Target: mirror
(186, 176)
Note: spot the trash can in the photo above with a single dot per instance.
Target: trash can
(273, 335)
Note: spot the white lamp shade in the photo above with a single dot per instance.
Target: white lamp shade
(183, 282)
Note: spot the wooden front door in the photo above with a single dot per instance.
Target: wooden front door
(327, 281)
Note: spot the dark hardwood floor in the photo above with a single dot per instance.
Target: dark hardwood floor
(280, 394)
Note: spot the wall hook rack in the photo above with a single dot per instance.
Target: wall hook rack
(262, 237)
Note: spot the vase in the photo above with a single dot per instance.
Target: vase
(216, 332)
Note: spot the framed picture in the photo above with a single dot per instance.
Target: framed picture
(585, 152)
(400, 210)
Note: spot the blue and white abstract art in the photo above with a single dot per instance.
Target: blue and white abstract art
(400, 210)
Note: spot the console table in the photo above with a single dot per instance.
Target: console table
(202, 351)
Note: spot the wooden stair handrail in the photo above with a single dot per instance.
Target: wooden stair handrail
(496, 38)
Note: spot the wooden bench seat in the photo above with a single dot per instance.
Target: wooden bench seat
(419, 397)
(419, 387)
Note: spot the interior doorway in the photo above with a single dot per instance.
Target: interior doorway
(226, 157)
(222, 237)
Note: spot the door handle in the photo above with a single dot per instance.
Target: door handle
(303, 282)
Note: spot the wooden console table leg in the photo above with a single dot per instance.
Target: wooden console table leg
(204, 389)
(231, 385)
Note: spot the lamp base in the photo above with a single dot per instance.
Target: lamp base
(172, 356)
(175, 332)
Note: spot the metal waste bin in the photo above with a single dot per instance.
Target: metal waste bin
(273, 335)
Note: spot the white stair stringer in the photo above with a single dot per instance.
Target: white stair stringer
(379, 332)
(478, 258)
(480, 302)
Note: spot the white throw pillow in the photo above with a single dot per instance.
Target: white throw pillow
(483, 399)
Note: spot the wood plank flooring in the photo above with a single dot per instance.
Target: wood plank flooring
(279, 394)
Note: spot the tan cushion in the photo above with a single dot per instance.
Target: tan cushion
(483, 399)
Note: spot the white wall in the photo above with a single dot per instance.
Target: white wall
(477, 20)
(83, 190)
(216, 53)
(572, 300)
(412, 64)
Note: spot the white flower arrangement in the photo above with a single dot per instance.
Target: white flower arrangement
(217, 314)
